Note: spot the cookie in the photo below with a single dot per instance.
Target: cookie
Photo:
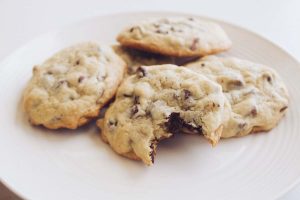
(156, 103)
(135, 58)
(68, 89)
(176, 36)
(258, 96)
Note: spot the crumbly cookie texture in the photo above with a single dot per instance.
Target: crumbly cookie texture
(156, 103)
(176, 36)
(68, 89)
(258, 96)
(136, 58)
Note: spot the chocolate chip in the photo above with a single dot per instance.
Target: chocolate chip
(235, 84)
(77, 62)
(242, 125)
(152, 156)
(80, 79)
(267, 77)
(134, 110)
(253, 112)
(141, 72)
(191, 19)
(112, 123)
(131, 29)
(176, 124)
(134, 28)
(187, 94)
(202, 64)
(161, 32)
(194, 44)
(49, 73)
(283, 109)
(152, 152)
(172, 28)
(127, 95)
(72, 98)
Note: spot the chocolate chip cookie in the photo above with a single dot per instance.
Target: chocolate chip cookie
(176, 36)
(156, 103)
(258, 96)
(68, 89)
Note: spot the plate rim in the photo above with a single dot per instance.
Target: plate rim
(24, 45)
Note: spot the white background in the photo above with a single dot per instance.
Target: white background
(277, 20)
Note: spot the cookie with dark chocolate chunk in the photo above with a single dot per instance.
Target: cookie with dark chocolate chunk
(160, 101)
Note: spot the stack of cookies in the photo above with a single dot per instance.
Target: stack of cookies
(160, 81)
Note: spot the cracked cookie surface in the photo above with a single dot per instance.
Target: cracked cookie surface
(156, 103)
(69, 88)
(258, 96)
(176, 36)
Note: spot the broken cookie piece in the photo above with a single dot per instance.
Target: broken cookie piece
(158, 102)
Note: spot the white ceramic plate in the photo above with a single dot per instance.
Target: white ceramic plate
(42, 164)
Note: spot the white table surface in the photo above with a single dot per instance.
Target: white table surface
(277, 20)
